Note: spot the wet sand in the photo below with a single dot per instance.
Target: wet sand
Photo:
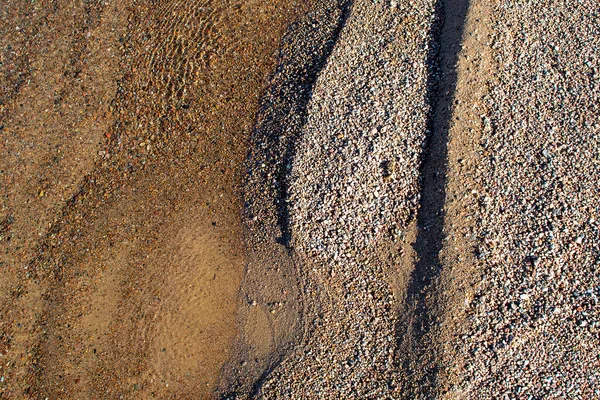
(122, 152)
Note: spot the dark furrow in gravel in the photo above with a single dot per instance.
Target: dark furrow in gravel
(417, 350)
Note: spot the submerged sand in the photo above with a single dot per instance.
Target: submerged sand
(124, 130)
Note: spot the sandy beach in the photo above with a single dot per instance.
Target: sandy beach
(299, 200)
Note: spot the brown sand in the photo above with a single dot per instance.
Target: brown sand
(469, 271)
(124, 129)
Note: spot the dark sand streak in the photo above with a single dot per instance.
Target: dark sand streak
(417, 350)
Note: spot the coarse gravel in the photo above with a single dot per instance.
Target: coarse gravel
(415, 209)
(353, 176)
(354, 185)
(533, 325)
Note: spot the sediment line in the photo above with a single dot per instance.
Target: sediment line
(304, 52)
(418, 349)
(279, 125)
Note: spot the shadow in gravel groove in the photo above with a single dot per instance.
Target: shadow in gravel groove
(296, 90)
(304, 52)
(417, 349)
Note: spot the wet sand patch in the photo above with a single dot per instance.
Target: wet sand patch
(132, 289)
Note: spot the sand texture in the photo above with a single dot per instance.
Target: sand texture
(336, 199)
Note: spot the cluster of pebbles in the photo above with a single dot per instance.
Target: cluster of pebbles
(335, 176)
(534, 326)
(353, 185)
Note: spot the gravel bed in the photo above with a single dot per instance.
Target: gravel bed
(353, 185)
(347, 190)
(533, 326)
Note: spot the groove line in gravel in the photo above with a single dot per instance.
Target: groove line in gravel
(416, 350)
